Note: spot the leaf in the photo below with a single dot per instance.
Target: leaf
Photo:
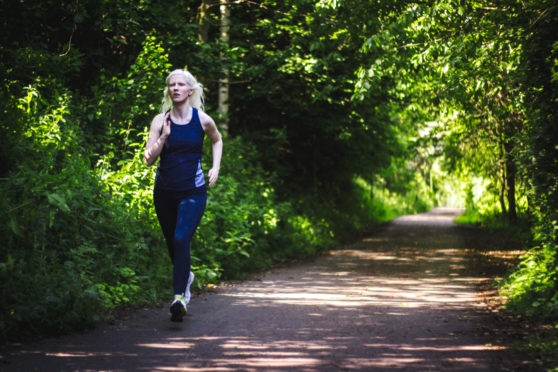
(59, 202)
(14, 227)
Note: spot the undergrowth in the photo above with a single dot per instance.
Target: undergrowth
(531, 288)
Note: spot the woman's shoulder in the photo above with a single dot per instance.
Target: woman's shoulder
(204, 118)
(159, 116)
(158, 120)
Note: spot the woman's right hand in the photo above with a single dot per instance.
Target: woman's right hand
(166, 130)
(159, 131)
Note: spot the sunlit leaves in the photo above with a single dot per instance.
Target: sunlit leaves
(328, 3)
(452, 54)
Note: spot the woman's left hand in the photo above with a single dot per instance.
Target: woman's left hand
(210, 129)
(213, 175)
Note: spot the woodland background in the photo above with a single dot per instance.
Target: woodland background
(337, 115)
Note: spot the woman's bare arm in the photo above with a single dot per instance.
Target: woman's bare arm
(158, 134)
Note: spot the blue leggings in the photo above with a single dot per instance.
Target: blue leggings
(179, 214)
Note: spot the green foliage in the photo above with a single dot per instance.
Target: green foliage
(122, 105)
(382, 204)
(68, 244)
(299, 83)
(534, 286)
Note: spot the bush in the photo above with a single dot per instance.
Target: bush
(532, 287)
(73, 246)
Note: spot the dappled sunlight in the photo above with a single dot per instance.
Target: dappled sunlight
(248, 352)
(71, 355)
(403, 299)
(167, 345)
(370, 291)
(438, 217)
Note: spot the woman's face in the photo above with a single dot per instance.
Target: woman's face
(179, 89)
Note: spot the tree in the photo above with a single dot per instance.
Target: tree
(460, 59)
(223, 105)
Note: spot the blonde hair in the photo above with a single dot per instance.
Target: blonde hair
(195, 100)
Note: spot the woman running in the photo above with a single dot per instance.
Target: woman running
(176, 136)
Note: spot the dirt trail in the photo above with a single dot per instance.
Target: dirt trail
(403, 298)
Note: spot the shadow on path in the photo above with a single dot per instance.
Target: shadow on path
(401, 299)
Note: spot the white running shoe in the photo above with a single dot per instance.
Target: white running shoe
(187, 294)
(178, 308)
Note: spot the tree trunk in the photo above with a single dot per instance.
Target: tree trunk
(502, 182)
(203, 21)
(224, 82)
(503, 192)
(511, 171)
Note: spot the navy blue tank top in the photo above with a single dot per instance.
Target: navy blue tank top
(180, 165)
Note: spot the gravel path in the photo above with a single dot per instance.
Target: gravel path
(400, 299)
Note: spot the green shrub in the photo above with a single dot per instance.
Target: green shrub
(532, 287)
(74, 246)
